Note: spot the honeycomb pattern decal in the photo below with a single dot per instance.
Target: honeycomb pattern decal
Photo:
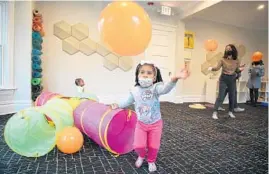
(62, 30)
(87, 47)
(70, 45)
(75, 38)
(211, 61)
(80, 31)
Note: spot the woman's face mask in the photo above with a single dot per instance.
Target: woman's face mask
(229, 53)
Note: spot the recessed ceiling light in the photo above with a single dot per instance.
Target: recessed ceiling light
(260, 7)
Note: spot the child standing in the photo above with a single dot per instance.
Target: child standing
(80, 90)
(80, 85)
(145, 94)
(256, 71)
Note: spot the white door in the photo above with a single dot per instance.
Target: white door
(161, 51)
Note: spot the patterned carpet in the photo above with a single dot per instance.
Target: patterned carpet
(192, 143)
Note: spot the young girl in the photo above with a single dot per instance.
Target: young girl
(145, 94)
(256, 71)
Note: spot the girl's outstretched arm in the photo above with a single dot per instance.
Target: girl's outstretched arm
(164, 89)
(124, 103)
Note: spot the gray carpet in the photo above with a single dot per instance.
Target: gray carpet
(192, 143)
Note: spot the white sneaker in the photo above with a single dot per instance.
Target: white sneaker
(215, 115)
(239, 109)
(139, 162)
(221, 109)
(231, 115)
(152, 167)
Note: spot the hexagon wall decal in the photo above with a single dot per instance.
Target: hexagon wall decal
(125, 63)
(62, 30)
(87, 46)
(102, 50)
(111, 61)
(80, 31)
(70, 45)
(76, 38)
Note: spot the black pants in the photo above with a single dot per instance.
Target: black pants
(226, 82)
(254, 95)
(235, 96)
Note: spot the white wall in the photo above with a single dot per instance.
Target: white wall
(194, 87)
(61, 69)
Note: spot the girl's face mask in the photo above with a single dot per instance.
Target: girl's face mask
(146, 75)
(145, 82)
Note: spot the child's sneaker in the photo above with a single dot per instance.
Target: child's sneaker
(152, 167)
(139, 162)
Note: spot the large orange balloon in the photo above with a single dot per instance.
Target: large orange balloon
(211, 45)
(257, 56)
(70, 140)
(125, 28)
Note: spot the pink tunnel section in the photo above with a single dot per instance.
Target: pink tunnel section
(94, 118)
(44, 97)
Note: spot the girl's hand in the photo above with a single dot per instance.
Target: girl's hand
(181, 74)
(114, 106)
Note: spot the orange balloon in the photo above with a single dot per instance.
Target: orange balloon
(211, 45)
(69, 140)
(257, 56)
(125, 28)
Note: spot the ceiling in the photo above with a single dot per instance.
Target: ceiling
(178, 7)
(236, 13)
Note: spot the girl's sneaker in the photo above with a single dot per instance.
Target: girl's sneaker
(139, 162)
(152, 167)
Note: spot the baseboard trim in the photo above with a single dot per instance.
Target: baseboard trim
(178, 100)
(15, 106)
(193, 98)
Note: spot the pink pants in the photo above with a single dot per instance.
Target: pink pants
(148, 137)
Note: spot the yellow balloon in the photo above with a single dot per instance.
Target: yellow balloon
(125, 28)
